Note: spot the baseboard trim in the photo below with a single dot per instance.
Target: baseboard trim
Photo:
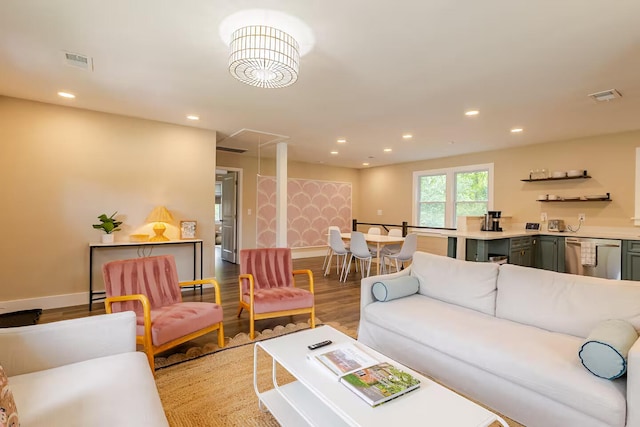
(55, 301)
(45, 303)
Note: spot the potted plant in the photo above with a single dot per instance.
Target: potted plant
(108, 224)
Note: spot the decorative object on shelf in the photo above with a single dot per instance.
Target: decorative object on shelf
(595, 198)
(264, 56)
(159, 216)
(188, 229)
(556, 176)
(108, 224)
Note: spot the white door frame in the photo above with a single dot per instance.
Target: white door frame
(239, 208)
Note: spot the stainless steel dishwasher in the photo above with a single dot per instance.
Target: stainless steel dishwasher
(593, 257)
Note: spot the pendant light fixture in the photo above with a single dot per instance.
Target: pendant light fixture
(264, 56)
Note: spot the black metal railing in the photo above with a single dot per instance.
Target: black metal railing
(405, 226)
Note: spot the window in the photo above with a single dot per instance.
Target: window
(444, 194)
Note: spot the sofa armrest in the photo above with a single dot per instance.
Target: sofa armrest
(366, 296)
(38, 347)
(633, 385)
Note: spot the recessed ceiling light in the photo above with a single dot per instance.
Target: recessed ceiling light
(516, 130)
(365, 164)
(407, 136)
(341, 141)
(472, 113)
(387, 150)
(334, 152)
(192, 117)
(66, 95)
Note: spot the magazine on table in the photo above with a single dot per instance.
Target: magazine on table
(343, 359)
(373, 381)
(380, 383)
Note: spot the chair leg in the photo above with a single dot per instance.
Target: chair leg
(313, 317)
(327, 256)
(327, 267)
(346, 272)
(252, 330)
(397, 267)
(152, 363)
(221, 336)
(369, 267)
(239, 310)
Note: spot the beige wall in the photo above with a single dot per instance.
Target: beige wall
(609, 159)
(249, 166)
(61, 167)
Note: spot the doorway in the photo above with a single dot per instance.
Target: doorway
(227, 218)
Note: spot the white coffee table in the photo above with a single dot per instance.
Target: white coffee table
(317, 398)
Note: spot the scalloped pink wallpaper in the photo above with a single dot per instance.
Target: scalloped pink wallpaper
(312, 206)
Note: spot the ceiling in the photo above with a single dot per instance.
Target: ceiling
(377, 70)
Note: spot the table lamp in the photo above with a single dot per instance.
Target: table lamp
(159, 215)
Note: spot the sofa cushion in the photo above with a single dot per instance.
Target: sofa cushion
(605, 352)
(542, 361)
(177, 320)
(279, 299)
(104, 392)
(390, 289)
(565, 303)
(8, 410)
(464, 283)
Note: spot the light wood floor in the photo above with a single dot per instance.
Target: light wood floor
(335, 301)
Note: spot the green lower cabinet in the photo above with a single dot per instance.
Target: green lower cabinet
(521, 251)
(550, 253)
(631, 260)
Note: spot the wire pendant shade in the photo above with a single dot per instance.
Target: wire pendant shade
(264, 57)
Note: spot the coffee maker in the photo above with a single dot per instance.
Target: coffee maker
(491, 221)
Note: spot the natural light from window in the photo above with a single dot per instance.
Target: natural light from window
(444, 194)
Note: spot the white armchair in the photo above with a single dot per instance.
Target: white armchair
(81, 372)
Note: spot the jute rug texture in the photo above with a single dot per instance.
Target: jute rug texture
(216, 390)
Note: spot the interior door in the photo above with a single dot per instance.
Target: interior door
(229, 209)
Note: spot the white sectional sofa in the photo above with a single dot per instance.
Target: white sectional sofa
(80, 373)
(509, 337)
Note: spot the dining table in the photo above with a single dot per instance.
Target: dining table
(380, 240)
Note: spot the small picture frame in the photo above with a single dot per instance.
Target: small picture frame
(188, 229)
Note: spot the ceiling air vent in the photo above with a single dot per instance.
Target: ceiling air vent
(605, 95)
(231, 150)
(78, 61)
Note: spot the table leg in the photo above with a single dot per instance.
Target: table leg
(90, 278)
(378, 259)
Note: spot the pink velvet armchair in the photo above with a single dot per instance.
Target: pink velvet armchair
(150, 287)
(267, 286)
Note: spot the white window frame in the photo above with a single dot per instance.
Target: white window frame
(450, 202)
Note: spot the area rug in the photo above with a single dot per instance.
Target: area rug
(216, 390)
(195, 352)
(20, 318)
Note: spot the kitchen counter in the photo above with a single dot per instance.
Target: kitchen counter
(594, 232)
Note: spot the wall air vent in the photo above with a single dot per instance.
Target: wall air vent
(231, 150)
(605, 95)
(78, 61)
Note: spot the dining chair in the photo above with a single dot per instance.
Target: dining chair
(149, 286)
(268, 289)
(409, 246)
(329, 250)
(393, 248)
(360, 251)
(339, 249)
(373, 247)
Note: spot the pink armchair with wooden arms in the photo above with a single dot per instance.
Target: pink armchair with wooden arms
(267, 286)
(150, 287)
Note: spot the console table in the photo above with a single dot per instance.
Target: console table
(100, 295)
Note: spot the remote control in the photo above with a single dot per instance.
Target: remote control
(319, 344)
